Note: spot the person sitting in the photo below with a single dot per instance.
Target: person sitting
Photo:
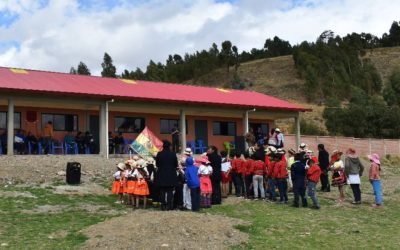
(119, 143)
(89, 142)
(80, 141)
(19, 142)
(111, 143)
(69, 141)
(34, 143)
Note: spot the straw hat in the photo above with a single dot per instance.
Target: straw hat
(337, 152)
(188, 151)
(135, 157)
(281, 151)
(121, 166)
(141, 163)
(374, 158)
(278, 130)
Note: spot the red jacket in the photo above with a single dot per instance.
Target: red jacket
(235, 165)
(248, 167)
(280, 171)
(259, 168)
(270, 169)
(313, 173)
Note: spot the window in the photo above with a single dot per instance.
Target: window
(264, 127)
(61, 122)
(129, 124)
(3, 120)
(166, 125)
(224, 128)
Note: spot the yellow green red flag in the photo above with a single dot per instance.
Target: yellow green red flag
(147, 144)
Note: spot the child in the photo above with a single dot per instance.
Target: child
(225, 174)
(118, 187)
(270, 161)
(259, 170)
(204, 172)
(290, 161)
(187, 204)
(130, 165)
(236, 170)
(313, 174)
(247, 175)
(338, 176)
(193, 182)
(141, 187)
(298, 172)
(375, 179)
(281, 175)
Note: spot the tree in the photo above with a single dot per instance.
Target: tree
(226, 54)
(83, 69)
(109, 69)
(72, 71)
(277, 47)
(236, 58)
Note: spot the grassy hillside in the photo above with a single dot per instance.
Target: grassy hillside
(278, 77)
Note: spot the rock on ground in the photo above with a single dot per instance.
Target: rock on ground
(143, 229)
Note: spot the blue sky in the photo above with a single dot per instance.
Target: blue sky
(57, 34)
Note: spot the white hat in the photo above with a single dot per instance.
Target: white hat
(135, 157)
(188, 151)
(121, 166)
(277, 130)
(303, 145)
(141, 163)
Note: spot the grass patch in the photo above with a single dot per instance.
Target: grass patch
(277, 226)
(60, 229)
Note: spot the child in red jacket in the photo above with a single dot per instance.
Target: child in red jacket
(236, 170)
(313, 174)
(280, 174)
(247, 174)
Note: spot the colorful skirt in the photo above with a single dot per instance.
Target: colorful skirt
(130, 186)
(141, 188)
(205, 185)
(117, 187)
(338, 178)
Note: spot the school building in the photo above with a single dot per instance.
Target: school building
(31, 98)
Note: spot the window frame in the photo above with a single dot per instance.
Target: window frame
(20, 120)
(60, 114)
(227, 122)
(170, 129)
(116, 129)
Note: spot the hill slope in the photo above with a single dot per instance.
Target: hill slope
(278, 77)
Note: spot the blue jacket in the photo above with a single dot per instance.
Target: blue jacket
(192, 179)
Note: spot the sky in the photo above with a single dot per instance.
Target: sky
(55, 35)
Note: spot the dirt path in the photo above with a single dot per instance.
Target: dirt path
(143, 229)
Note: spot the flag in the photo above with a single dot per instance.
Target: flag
(147, 144)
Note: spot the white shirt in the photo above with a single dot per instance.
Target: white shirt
(138, 175)
(117, 175)
(205, 170)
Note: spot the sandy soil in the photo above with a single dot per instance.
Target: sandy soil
(165, 230)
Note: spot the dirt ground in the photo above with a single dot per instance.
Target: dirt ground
(165, 230)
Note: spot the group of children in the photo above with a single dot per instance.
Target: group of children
(270, 175)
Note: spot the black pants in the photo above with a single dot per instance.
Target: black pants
(175, 146)
(216, 192)
(237, 182)
(299, 189)
(195, 198)
(356, 192)
(248, 180)
(325, 181)
(166, 198)
(178, 196)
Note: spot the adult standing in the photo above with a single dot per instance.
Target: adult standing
(323, 159)
(48, 132)
(175, 139)
(215, 162)
(272, 138)
(279, 138)
(166, 178)
(353, 169)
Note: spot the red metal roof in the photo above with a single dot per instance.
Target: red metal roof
(62, 83)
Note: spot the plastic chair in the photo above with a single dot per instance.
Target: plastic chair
(127, 142)
(56, 145)
(71, 147)
(201, 146)
(191, 145)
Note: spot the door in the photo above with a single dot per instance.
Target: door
(201, 131)
(94, 128)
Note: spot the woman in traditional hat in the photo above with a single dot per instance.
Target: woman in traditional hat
(375, 179)
(204, 172)
(117, 187)
(353, 169)
(338, 176)
(141, 187)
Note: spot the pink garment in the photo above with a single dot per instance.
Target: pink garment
(374, 172)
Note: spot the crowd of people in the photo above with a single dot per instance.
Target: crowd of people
(263, 172)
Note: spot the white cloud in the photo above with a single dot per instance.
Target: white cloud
(59, 35)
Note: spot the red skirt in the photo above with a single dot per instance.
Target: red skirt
(117, 187)
(141, 188)
(205, 185)
(130, 186)
(226, 177)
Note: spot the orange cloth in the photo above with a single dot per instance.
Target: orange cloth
(48, 130)
(130, 186)
(117, 187)
(141, 188)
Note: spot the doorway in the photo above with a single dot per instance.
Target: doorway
(201, 131)
(94, 128)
